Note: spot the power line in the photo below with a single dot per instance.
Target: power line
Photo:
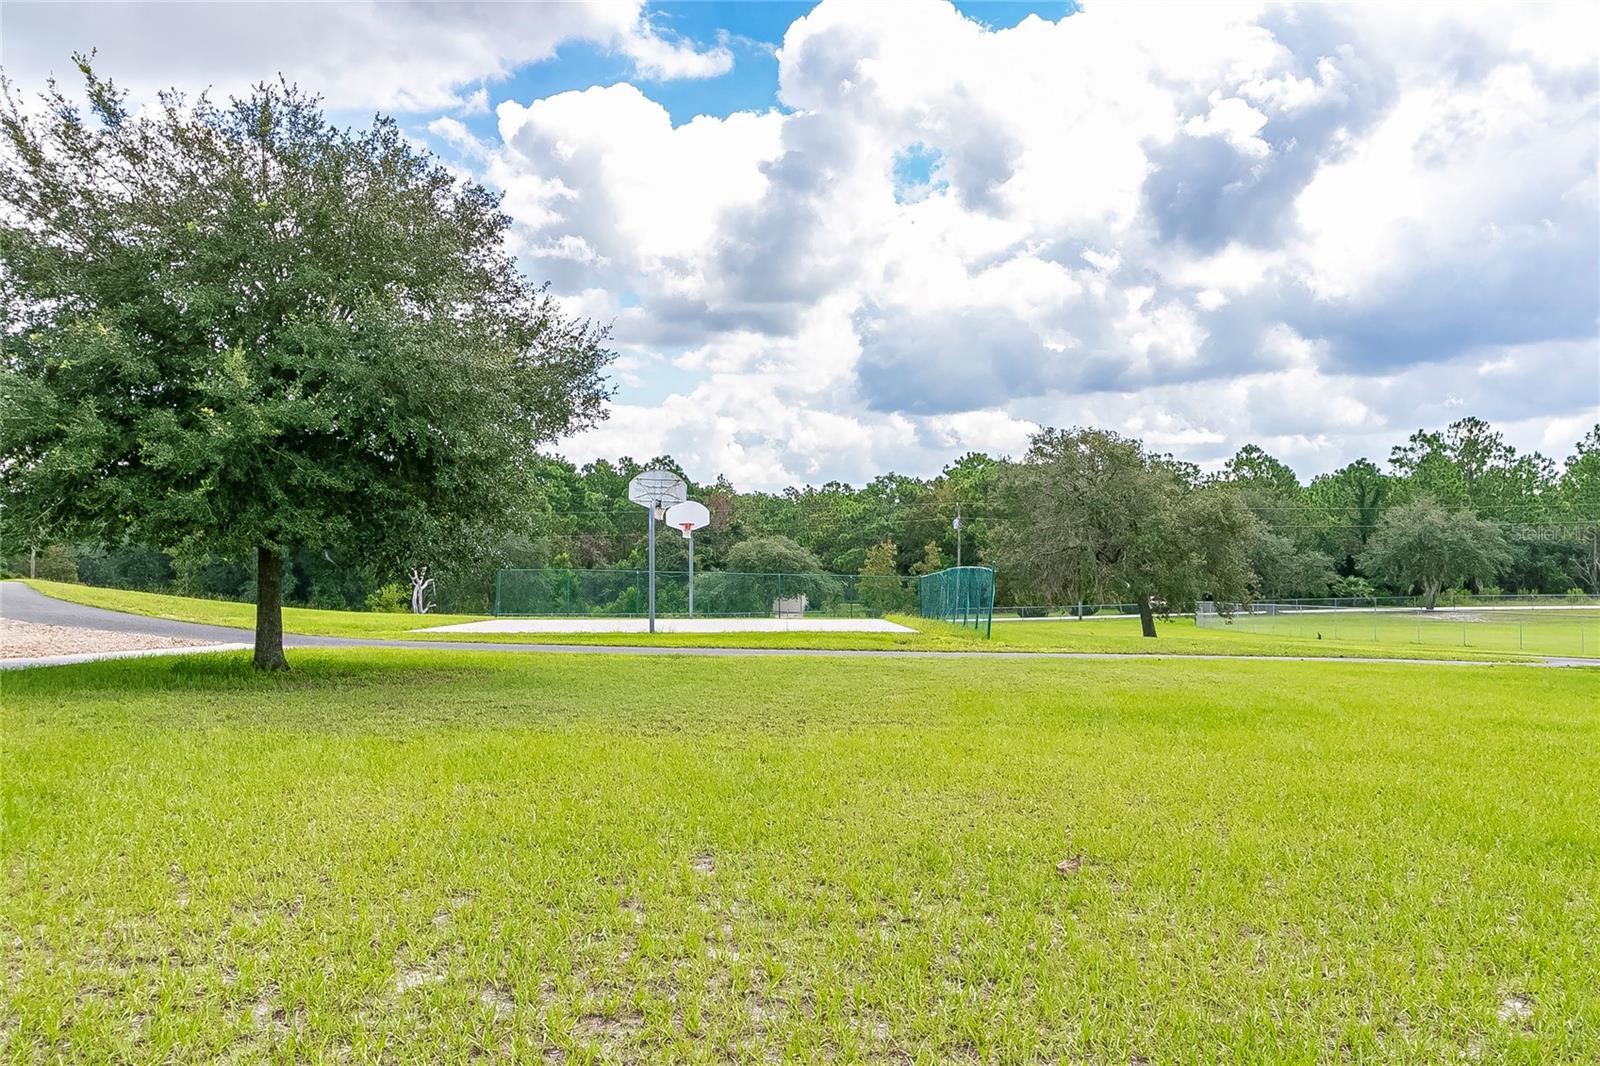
(811, 521)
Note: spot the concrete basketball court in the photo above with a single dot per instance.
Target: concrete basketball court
(675, 625)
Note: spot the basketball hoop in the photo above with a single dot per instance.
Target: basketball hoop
(656, 490)
(689, 515)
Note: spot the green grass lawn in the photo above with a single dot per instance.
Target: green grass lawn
(442, 856)
(1179, 635)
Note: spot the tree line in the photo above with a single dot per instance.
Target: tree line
(1091, 516)
(1085, 516)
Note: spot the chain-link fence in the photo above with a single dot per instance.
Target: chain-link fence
(961, 594)
(717, 593)
(1537, 625)
(1020, 612)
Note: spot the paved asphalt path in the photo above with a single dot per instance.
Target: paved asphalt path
(23, 604)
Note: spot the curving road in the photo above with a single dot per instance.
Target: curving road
(23, 604)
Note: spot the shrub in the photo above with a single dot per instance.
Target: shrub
(1353, 588)
(390, 599)
(125, 567)
(58, 562)
(761, 570)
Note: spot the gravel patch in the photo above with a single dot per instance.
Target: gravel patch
(29, 640)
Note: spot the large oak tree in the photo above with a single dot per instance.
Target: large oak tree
(1091, 515)
(238, 329)
(1424, 544)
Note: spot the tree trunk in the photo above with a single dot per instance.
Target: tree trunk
(269, 611)
(1147, 618)
(1430, 594)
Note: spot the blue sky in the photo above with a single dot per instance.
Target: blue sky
(751, 31)
(1315, 228)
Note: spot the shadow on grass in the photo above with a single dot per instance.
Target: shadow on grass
(233, 671)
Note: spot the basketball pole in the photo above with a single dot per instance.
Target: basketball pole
(652, 552)
(691, 573)
(653, 489)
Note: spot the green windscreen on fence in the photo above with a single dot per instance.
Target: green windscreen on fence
(724, 593)
(961, 594)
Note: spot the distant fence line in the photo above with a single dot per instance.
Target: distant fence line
(1448, 599)
(1072, 611)
(721, 593)
(1545, 625)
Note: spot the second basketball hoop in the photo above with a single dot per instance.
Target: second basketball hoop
(689, 516)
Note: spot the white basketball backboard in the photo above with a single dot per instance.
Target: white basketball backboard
(688, 516)
(657, 488)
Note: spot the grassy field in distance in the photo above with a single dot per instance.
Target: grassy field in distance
(1179, 635)
(1535, 630)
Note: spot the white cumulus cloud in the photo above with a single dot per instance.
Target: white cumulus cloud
(1228, 223)
(1314, 227)
(401, 56)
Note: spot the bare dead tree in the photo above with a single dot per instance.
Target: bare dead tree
(421, 586)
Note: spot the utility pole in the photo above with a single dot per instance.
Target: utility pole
(957, 524)
(959, 599)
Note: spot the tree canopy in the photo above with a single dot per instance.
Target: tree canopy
(1091, 515)
(1424, 544)
(763, 569)
(237, 329)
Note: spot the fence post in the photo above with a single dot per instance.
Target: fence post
(498, 575)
